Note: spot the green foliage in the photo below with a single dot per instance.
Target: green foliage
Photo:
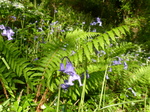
(47, 31)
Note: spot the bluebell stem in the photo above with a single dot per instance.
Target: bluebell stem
(8, 32)
(125, 66)
(133, 92)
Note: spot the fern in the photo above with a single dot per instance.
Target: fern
(141, 76)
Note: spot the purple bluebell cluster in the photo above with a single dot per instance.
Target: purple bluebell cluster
(98, 21)
(117, 62)
(7, 31)
(69, 70)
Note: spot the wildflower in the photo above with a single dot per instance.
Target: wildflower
(13, 17)
(148, 57)
(93, 23)
(125, 66)
(110, 70)
(133, 92)
(83, 22)
(65, 86)
(43, 107)
(40, 29)
(54, 23)
(99, 21)
(62, 68)
(69, 69)
(117, 62)
(94, 30)
(107, 77)
(8, 32)
(2, 27)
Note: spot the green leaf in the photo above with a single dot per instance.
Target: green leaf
(101, 42)
(106, 38)
(121, 30)
(95, 42)
(90, 47)
(80, 55)
(116, 31)
(111, 35)
(87, 53)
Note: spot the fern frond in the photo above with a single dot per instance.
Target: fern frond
(142, 76)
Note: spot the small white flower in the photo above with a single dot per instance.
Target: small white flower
(43, 107)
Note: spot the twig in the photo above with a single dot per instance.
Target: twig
(38, 91)
(42, 101)
(4, 89)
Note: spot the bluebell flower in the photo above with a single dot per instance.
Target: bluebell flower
(65, 86)
(62, 30)
(110, 70)
(36, 59)
(62, 68)
(13, 17)
(107, 77)
(93, 23)
(116, 62)
(133, 92)
(40, 29)
(69, 69)
(99, 21)
(148, 57)
(125, 66)
(2, 27)
(8, 32)
(94, 30)
(54, 23)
